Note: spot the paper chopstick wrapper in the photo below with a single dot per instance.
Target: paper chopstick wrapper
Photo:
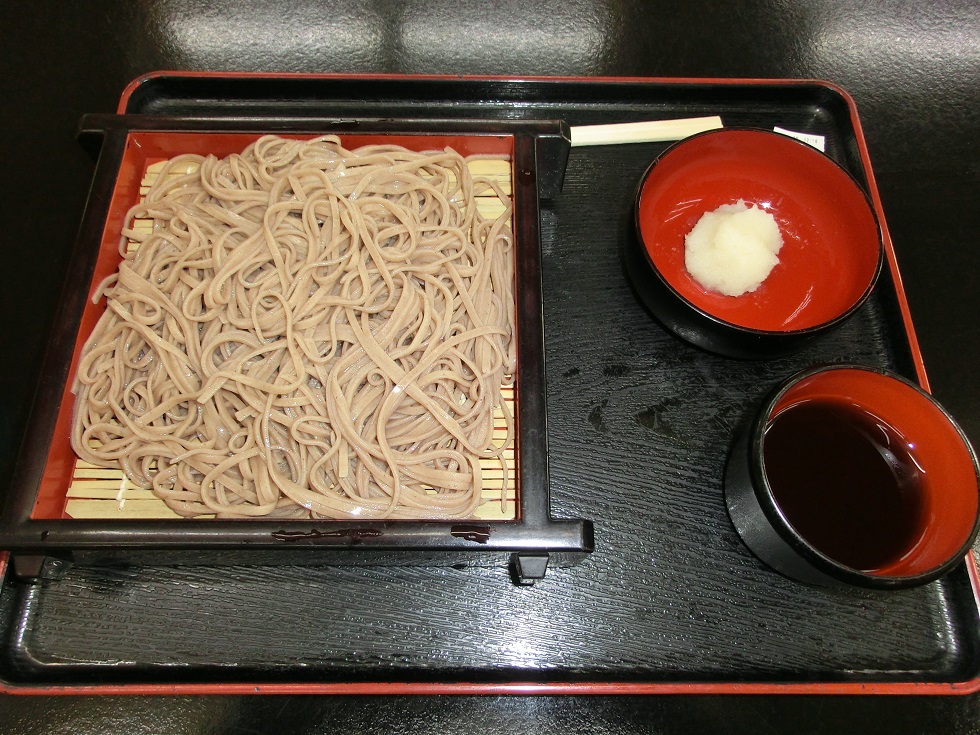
(642, 132)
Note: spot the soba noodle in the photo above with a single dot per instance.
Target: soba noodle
(306, 332)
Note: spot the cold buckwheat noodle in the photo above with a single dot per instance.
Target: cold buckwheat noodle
(306, 332)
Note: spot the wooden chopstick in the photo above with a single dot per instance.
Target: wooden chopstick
(642, 132)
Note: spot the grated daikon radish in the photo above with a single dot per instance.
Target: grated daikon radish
(732, 249)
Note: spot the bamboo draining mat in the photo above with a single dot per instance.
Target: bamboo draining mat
(105, 493)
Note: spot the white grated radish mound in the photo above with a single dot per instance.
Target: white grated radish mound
(732, 249)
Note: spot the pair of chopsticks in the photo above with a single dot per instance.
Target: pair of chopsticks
(642, 132)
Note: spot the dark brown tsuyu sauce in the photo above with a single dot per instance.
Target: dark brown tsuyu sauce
(845, 482)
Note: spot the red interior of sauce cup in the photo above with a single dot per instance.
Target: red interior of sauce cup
(831, 240)
(947, 464)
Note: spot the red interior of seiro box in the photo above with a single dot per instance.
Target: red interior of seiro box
(143, 149)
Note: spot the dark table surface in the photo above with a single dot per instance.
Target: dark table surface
(913, 69)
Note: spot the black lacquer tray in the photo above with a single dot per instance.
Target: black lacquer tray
(639, 426)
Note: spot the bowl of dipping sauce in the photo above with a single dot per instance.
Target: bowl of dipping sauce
(750, 243)
(852, 476)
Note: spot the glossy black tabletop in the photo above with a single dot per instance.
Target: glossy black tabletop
(912, 68)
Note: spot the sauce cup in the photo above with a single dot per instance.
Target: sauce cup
(855, 477)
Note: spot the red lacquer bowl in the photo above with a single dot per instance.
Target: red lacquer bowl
(829, 261)
(905, 421)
